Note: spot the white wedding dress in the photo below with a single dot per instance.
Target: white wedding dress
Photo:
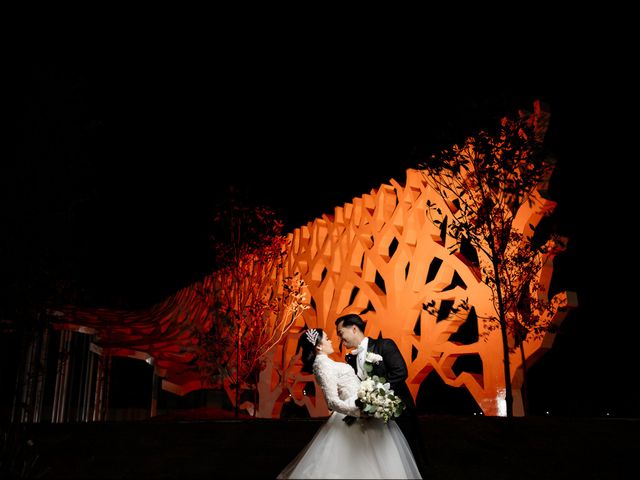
(368, 448)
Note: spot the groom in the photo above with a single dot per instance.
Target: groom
(350, 329)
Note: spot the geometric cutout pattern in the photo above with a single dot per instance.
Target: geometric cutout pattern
(381, 255)
(378, 255)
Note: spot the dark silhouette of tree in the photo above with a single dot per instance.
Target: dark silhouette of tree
(484, 183)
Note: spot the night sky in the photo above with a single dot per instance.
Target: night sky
(118, 159)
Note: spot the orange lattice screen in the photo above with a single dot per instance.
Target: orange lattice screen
(381, 254)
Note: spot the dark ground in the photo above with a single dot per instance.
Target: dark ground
(472, 447)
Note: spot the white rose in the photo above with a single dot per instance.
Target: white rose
(373, 358)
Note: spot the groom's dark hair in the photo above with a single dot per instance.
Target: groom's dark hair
(351, 319)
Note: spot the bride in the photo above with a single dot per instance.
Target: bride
(368, 448)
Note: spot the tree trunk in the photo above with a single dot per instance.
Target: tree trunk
(523, 389)
(507, 370)
(237, 405)
(505, 343)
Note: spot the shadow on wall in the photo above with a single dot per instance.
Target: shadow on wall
(436, 397)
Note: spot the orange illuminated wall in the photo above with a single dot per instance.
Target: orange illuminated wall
(380, 251)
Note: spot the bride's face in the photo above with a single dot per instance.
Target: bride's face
(326, 345)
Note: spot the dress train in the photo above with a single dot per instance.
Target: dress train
(369, 448)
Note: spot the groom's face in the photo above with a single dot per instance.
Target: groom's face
(348, 335)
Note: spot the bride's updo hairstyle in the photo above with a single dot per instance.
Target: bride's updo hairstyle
(309, 339)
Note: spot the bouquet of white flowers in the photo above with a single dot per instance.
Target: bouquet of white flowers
(376, 399)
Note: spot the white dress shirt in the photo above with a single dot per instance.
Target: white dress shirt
(362, 354)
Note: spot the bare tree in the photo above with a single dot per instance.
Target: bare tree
(254, 304)
(484, 183)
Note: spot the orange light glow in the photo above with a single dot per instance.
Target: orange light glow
(378, 253)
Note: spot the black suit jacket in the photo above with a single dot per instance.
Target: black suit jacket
(392, 367)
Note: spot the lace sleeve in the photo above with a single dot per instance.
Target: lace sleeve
(329, 383)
